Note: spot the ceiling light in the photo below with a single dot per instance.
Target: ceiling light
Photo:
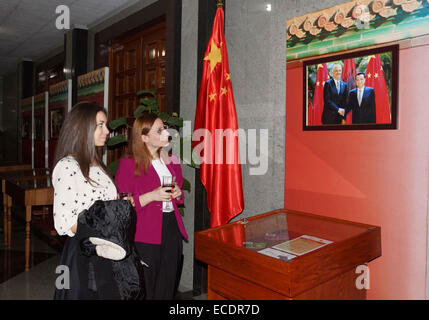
(268, 7)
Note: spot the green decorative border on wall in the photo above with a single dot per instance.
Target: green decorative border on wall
(90, 90)
(341, 28)
(39, 105)
(58, 92)
(26, 108)
(91, 83)
(58, 97)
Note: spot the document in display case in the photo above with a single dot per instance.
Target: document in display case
(285, 254)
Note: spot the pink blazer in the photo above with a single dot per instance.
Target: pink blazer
(149, 217)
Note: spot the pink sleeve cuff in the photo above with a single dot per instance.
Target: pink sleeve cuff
(138, 206)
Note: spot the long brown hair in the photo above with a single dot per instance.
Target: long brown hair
(136, 147)
(76, 138)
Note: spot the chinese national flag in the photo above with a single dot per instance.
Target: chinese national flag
(220, 169)
(375, 79)
(349, 73)
(235, 235)
(321, 77)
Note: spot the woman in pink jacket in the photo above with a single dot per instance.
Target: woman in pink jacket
(160, 229)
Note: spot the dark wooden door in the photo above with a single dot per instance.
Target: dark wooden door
(136, 62)
(153, 68)
(126, 78)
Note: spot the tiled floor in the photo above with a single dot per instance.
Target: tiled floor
(38, 283)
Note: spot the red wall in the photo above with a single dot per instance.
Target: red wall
(377, 177)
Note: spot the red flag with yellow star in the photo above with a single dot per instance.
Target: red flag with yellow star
(375, 79)
(315, 115)
(216, 123)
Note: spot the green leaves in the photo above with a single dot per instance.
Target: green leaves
(186, 185)
(148, 108)
(164, 117)
(147, 104)
(181, 209)
(113, 167)
(141, 92)
(138, 111)
(149, 101)
(174, 122)
(120, 138)
(117, 123)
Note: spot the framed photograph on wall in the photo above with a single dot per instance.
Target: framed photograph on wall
(56, 121)
(38, 126)
(26, 128)
(353, 91)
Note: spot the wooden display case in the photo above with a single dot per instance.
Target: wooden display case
(238, 270)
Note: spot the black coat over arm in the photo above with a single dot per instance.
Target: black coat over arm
(91, 276)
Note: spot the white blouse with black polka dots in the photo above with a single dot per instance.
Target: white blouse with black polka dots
(73, 193)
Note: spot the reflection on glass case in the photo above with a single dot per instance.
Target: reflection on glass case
(286, 254)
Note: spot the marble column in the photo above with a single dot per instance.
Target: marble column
(188, 94)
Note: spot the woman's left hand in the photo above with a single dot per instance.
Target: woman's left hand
(176, 192)
(130, 199)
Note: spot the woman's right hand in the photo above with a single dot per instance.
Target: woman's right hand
(161, 194)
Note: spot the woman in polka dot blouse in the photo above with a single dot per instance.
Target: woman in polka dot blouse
(79, 179)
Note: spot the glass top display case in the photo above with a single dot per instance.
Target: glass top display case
(286, 235)
(286, 253)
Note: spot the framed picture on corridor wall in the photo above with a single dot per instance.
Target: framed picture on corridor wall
(56, 121)
(26, 128)
(352, 91)
(39, 132)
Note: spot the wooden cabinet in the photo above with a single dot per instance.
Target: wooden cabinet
(238, 270)
(136, 62)
(27, 191)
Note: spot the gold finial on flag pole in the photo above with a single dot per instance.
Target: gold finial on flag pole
(219, 4)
